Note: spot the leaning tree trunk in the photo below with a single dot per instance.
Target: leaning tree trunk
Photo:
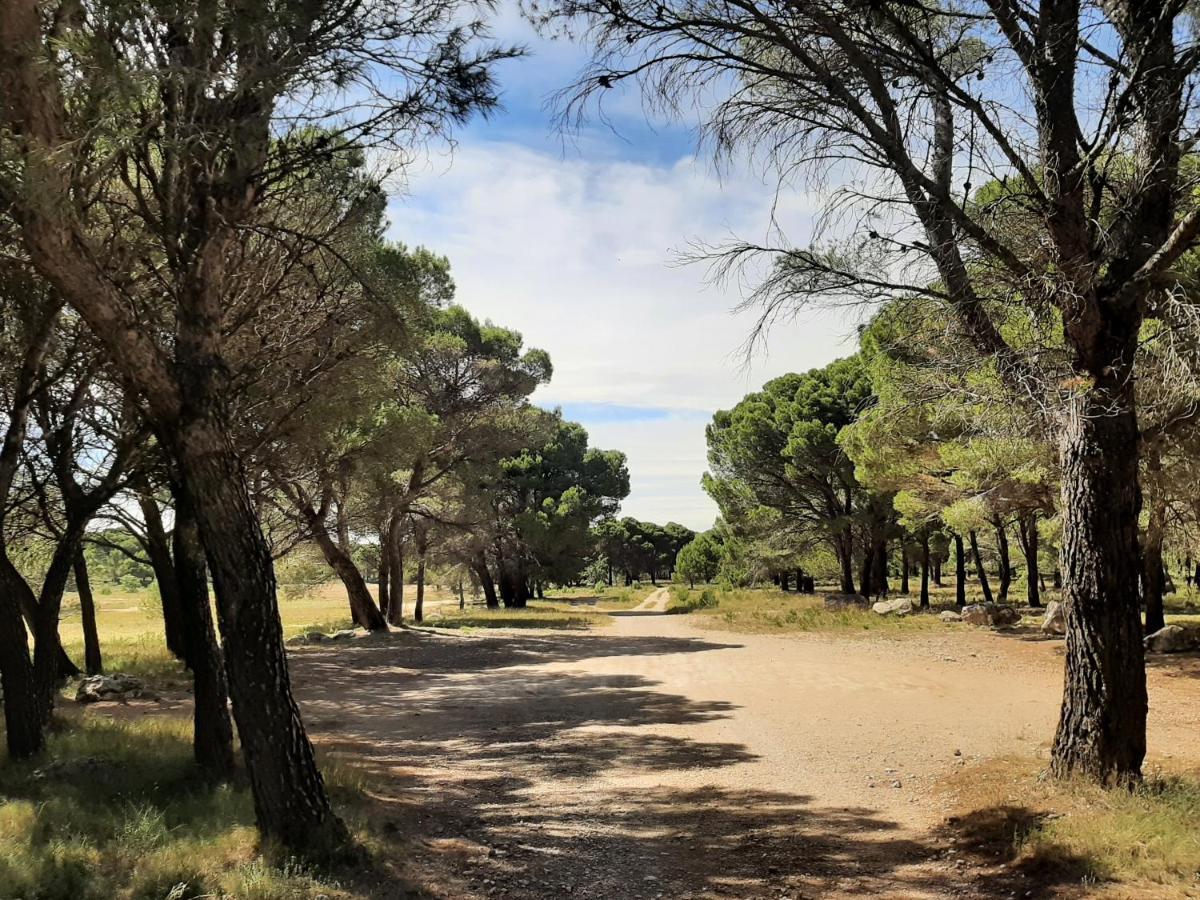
(212, 731)
(980, 571)
(92, 662)
(1154, 583)
(1102, 730)
(290, 801)
(362, 605)
(486, 582)
(960, 572)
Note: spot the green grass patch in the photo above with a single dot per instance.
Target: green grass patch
(538, 614)
(686, 600)
(117, 809)
(767, 610)
(602, 597)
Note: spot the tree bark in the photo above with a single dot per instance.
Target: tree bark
(845, 554)
(362, 605)
(980, 571)
(1102, 730)
(960, 572)
(93, 664)
(419, 606)
(1005, 561)
(396, 583)
(486, 582)
(290, 801)
(24, 734)
(158, 548)
(904, 564)
(925, 571)
(212, 730)
(384, 572)
(1028, 532)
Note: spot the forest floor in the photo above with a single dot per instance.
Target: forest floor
(655, 758)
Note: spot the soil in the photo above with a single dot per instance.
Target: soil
(656, 759)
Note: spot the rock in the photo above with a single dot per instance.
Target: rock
(949, 615)
(112, 687)
(314, 637)
(1174, 639)
(901, 606)
(845, 601)
(1055, 621)
(992, 614)
(342, 635)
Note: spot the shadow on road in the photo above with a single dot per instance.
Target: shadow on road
(484, 762)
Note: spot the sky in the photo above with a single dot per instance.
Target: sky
(575, 241)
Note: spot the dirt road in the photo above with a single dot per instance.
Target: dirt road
(656, 759)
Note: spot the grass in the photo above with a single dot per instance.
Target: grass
(116, 809)
(1112, 841)
(768, 610)
(538, 614)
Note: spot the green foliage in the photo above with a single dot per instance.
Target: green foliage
(699, 560)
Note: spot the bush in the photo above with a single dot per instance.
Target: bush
(685, 601)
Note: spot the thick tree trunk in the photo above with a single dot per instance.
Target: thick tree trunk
(158, 547)
(1154, 582)
(1102, 731)
(24, 734)
(1005, 562)
(290, 801)
(93, 664)
(937, 571)
(960, 572)
(362, 605)
(486, 582)
(212, 731)
(845, 554)
(980, 571)
(925, 571)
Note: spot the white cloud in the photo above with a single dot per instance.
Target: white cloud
(578, 255)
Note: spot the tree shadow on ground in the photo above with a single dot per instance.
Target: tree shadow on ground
(486, 765)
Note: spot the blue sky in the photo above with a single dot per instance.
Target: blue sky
(574, 241)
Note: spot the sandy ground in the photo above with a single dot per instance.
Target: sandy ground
(657, 759)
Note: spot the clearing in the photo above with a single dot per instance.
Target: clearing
(654, 758)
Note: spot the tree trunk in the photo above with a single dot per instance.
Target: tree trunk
(385, 560)
(1153, 581)
(290, 801)
(212, 731)
(925, 571)
(419, 606)
(1005, 561)
(845, 555)
(1028, 532)
(24, 734)
(937, 571)
(158, 548)
(396, 577)
(960, 572)
(1102, 730)
(93, 664)
(980, 571)
(362, 605)
(486, 582)
(904, 564)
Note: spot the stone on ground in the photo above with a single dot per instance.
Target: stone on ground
(901, 606)
(117, 686)
(1055, 621)
(1174, 639)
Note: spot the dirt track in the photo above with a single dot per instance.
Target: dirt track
(654, 758)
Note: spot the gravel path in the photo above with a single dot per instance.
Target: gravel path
(656, 759)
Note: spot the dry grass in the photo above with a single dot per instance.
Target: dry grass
(1078, 837)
